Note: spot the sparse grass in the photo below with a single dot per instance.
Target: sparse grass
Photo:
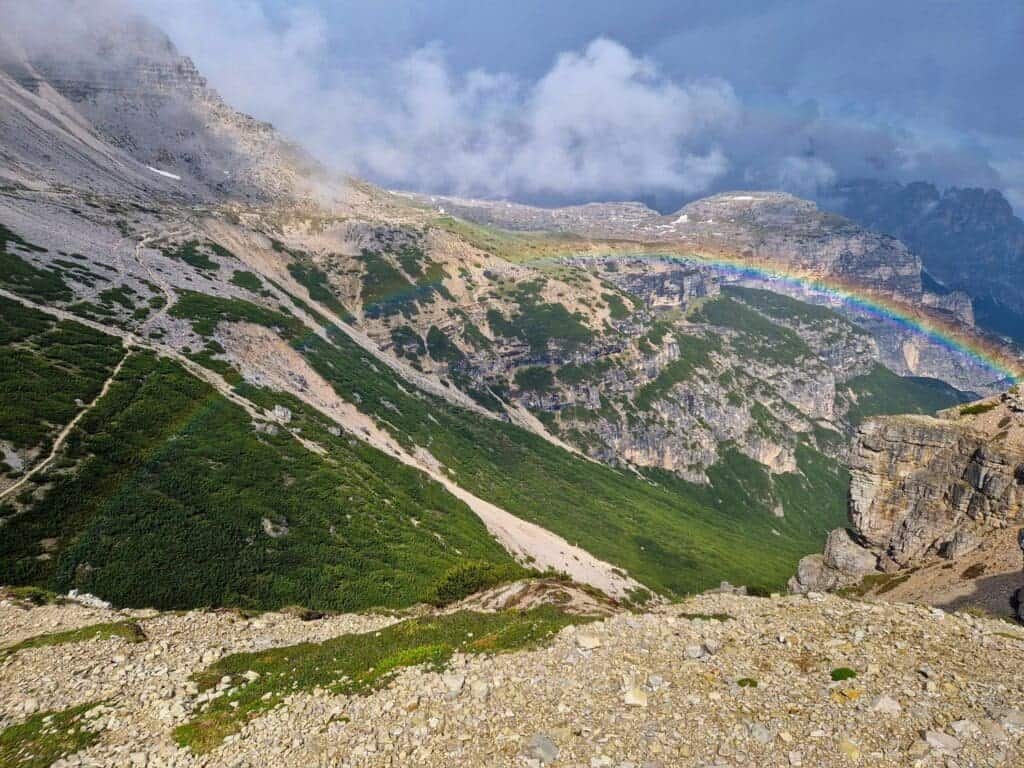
(747, 682)
(357, 664)
(129, 630)
(206, 311)
(705, 616)
(46, 737)
(976, 409)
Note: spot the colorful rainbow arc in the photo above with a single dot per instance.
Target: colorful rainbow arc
(979, 351)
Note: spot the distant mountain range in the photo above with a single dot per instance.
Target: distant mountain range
(968, 239)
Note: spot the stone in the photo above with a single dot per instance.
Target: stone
(886, 705)
(942, 742)
(542, 748)
(848, 749)
(635, 696)
(693, 651)
(588, 641)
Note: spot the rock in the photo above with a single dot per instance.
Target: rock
(886, 706)
(542, 748)
(588, 641)
(251, 675)
(848, 749)
(796, 759)
(712, 645)
(942, 742)
(453, 682)
(693, 651)
(635, 696)
(761, 734)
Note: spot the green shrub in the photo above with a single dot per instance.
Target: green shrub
(466, 579)
(843, 673)
(976, 409)
(535, 379)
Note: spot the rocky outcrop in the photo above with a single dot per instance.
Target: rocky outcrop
(926, 488)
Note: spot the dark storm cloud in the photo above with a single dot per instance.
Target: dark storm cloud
(604, 99)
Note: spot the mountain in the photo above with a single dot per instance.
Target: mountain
(968, 239)
(234, 380)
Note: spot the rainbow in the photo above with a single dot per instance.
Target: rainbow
(1006, 366)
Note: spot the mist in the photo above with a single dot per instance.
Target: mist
(663, 103)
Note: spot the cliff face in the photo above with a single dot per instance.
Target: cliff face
(926, 489)
(969, 239)
(922, 487)
(126, 88)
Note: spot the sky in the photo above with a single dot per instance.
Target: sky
(659, 100)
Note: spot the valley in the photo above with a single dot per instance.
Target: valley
(299, 470)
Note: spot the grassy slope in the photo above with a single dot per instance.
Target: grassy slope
(882, 392)
(357, 663)
(673, 536)
(45, 367)
(167, 509)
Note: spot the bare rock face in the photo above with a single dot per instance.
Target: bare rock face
(844, 562)
(924, 489)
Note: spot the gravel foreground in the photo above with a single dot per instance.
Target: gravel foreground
(674, 687)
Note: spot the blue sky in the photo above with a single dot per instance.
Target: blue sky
(657, 99)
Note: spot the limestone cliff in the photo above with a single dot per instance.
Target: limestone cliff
(927, 489)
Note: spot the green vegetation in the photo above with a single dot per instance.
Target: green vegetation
(43, 285)
(179, 502)
(46, 737)
(616, 306)
(465, 579)
(120, 294)
(757, 336)
(781, 307)
(355, 664)
(129, 630)
(571, 373)
(842, 673)
(247, 280)
(539, 323)
(407, 342)
(976, 409)
(882, 392)
(316, 282)
(194, 254)
(47, 368)
(673, 536)
(206, 311)
(535, 379)
(747, 682)
(441, 348)
(694, 354)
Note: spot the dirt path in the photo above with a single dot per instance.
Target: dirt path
(63, 435)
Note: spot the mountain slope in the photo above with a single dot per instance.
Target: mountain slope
(352, 401)
(969, 239)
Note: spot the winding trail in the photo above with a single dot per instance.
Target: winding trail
(63, 435)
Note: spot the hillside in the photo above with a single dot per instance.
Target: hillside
(345, 399)
(719, 679)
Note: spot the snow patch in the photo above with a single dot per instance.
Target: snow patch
(166, 174)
